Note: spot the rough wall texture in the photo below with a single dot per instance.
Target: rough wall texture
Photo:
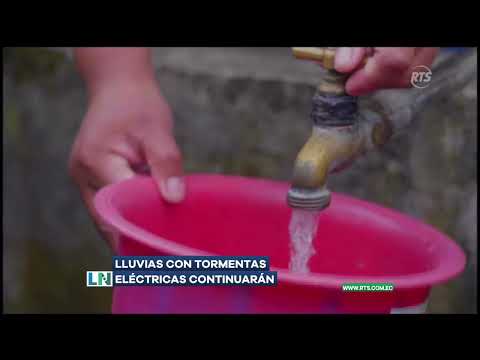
(238, 111)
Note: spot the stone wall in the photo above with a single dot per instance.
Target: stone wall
(238, 111)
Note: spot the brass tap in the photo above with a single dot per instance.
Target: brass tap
(340, 133)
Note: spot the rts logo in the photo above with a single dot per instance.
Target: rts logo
(99, 279)
(421, 76)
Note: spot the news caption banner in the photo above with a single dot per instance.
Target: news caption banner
(185, 271)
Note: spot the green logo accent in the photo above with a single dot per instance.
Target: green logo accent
(367, 287)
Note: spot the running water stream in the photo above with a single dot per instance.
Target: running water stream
(303, 228)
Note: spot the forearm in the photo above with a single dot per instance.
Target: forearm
(106, 66)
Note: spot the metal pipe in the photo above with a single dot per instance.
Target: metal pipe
(341, 132)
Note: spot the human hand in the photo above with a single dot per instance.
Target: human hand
(386, 67)
(127, 127)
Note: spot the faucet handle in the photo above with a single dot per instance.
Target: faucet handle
(323, 55)
(332, 82)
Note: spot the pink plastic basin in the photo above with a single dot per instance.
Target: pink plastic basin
(357, 241)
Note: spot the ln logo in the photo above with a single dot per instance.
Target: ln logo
(99, 279)
(421, 76)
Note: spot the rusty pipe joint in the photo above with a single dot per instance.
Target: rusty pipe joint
(339, 135)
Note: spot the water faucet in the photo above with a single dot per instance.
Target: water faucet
(340, 133)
